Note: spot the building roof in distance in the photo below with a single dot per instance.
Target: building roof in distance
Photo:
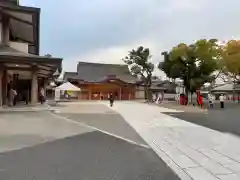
(227, 88)
(96, 72)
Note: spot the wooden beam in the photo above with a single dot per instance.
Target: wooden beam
(19, 68)
(48, 66)
(18, 19)
(30, 43)
(43, 75)
(30, 63)
(50, 70)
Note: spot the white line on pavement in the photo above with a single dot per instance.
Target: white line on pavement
(102, 131)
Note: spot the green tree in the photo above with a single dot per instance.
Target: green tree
(139, 63)
(231, 60)
(194, 63)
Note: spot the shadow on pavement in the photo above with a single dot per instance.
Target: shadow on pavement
(91, 156)
(111, 123)
(227, 120)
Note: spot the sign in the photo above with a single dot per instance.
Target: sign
(69, 93)
(57, 95)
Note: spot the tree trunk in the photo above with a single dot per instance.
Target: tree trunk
(148, 96)
(145, 93)
(191, 101)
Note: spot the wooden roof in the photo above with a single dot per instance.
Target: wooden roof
(229, 87)
(14, 59)
(24, 23)
(96, 72)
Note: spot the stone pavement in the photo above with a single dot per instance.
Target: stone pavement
(74, 144)
(192, 151)
(188, 108)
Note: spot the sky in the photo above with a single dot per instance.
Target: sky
(105, 30)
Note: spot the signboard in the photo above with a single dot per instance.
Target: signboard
(57, 95)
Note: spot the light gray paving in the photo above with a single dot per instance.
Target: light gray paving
(201, 152)
(199, 173)
(112, 123)
(229, 177)
(235, 167)
(217, 156)
(47, 146)
(22, 129)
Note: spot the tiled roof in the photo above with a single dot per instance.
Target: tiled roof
(227, 87)
(95, 72)
(9, 51)
(69, 75)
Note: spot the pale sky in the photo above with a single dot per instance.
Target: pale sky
(105, 30)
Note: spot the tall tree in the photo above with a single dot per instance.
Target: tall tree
(194, 63)
(139, 62)
(231, 60)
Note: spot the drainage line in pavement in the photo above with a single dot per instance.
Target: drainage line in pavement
(96, 129)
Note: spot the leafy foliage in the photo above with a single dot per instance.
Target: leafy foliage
(194, 63)
(231, 59)
(139, 62)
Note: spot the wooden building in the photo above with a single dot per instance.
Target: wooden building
(21, 66)
(98, 80)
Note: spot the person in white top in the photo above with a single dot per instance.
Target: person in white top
(222, 98)
(211, 101)
(42, 95)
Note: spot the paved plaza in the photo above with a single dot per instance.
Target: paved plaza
(131, 140)
(86, 141)
(192, 151)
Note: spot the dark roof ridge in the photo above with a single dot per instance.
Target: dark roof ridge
(101, 64)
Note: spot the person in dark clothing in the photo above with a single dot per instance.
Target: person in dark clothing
(14, 97)
(111, 99)
(26, 96)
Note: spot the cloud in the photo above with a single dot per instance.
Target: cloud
(105, 30)
(184, 6)
(114, 54)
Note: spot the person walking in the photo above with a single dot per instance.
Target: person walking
(200, 101)
(111, 99)
(14, 97)
(42, 96)
(26, 96)
(222, 98)
(210, 101)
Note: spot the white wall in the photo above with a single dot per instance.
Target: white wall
(22, 47)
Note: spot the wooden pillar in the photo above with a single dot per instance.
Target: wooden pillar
(129, 94)
(120, 93)
(5, 30)
(45, 83)
(1, 87)
(34, 88)
(89, 93)
(4, 86)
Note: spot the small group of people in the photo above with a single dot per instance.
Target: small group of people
(211, 99)
(13, 95)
